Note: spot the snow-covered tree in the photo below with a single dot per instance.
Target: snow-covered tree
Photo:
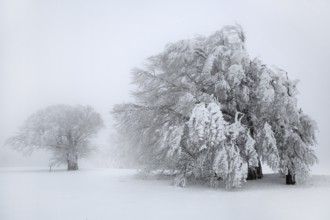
(204, 108)
(65, 131)
(268, 147)
(294, 131)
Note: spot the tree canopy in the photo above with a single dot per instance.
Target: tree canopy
(204, 109)
(64, 130)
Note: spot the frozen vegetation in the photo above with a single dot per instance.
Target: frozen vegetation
(204, 113)
(102, 194)
(207, 110)
(64, 130)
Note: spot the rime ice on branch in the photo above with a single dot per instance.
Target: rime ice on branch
(205, 110)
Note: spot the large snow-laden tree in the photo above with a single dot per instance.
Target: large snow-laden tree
(170, 118)
(65, 131)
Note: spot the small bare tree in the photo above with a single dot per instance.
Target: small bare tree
(64, 130)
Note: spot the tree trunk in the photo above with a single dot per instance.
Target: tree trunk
(259, 170)
(255, 172)
(252, 173)
(290, 179)
(72, 165)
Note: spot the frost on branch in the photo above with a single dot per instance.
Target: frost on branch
(199, 124)
(217, 124)
(269, 147)
(212, 146)
(173, 140)
(264, 90)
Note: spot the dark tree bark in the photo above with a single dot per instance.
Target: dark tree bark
(290, 179)
(252, 173)
(259, 170)
(73, 164)
(255, 172)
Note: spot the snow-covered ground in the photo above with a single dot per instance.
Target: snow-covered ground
(97, 194)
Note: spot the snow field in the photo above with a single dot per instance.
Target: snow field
(97, 194)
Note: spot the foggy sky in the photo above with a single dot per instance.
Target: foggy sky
(81, 52)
